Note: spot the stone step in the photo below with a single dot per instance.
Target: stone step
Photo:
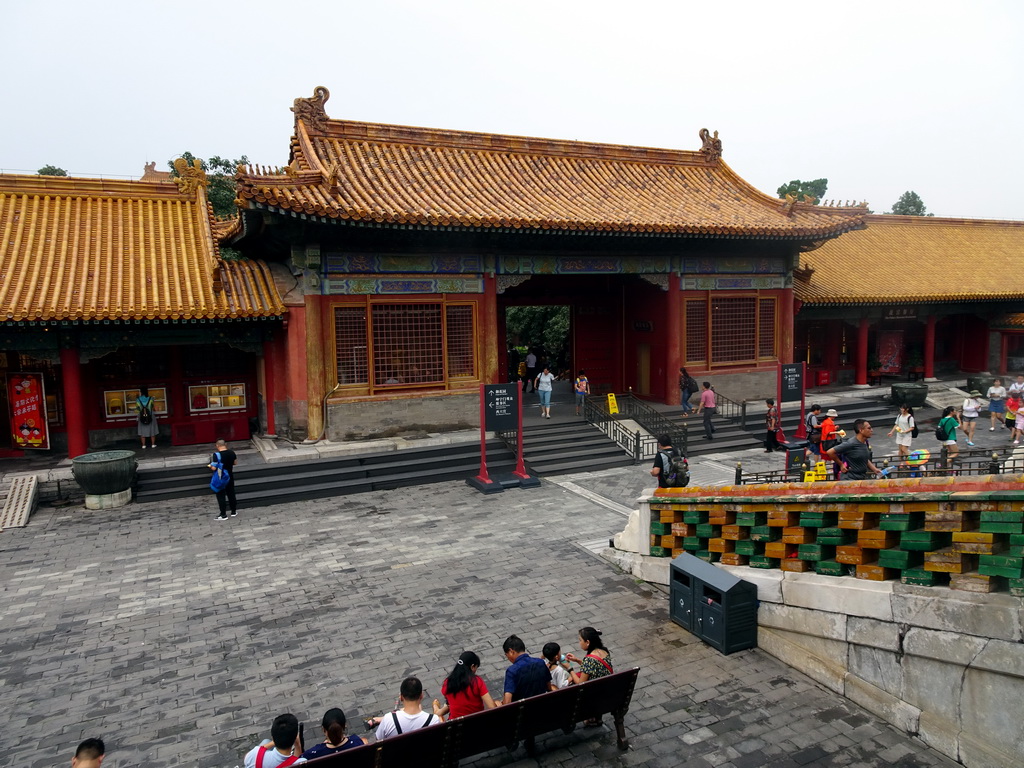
(943, 397)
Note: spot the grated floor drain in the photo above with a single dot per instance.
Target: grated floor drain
(21, 500)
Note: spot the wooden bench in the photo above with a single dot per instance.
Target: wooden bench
(442, 746)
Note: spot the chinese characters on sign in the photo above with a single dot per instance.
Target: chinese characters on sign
(792, 382)
(501, 407)
(28, 410)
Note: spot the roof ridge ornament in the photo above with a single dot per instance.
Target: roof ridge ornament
(190, 177)
(712, 145)
(311, 111)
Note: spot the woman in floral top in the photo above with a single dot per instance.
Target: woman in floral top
(597, 663)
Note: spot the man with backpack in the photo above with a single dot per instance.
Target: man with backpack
(670, 467)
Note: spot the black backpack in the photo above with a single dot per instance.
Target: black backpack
(145, 414)
(678, 473)
(940, 432)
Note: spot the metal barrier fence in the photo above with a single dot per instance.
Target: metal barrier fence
(965, 463)
(653, 421)
(637, 444)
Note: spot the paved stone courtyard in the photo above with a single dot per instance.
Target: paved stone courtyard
(177, 638)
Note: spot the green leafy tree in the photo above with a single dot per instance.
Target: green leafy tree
(51, 170)
(543, 328)
(910, 204)
(815, 189)
(221, 173)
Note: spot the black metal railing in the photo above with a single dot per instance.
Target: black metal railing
(730, 409)
(980, 462)
(636, 444)
(653, 421)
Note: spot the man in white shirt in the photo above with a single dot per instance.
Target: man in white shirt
(284, 748)
(1018, 385)
(531, 369)
(411, 716)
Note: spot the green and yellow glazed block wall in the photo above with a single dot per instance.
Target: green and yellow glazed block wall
(970, 537)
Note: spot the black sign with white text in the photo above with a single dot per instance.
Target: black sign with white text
(792, 382)
(501, 407)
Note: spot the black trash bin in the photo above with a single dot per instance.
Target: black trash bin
(721, 609)
(796, 453)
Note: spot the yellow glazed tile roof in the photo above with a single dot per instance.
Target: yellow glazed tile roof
(915, 259)
(89, 249)
(371, 172)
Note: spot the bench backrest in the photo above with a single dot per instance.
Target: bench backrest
(357, 757)
(487, 730)
(442, 746)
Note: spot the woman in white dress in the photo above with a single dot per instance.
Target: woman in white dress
(904, 429)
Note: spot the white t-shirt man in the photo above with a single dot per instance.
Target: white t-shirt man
(271, 758)
(406, 721)
(1018, 386)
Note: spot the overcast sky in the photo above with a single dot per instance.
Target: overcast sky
(878, 97)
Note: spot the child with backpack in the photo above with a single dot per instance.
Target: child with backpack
(582, 389)
(945, 432)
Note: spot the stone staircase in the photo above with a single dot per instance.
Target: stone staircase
(941, 396)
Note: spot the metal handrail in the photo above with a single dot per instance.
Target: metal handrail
(595, 413)
(730, 409)
(653, 421)
(979, 462)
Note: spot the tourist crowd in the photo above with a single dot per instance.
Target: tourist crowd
(463, 690)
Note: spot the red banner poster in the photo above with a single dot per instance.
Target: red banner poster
(890, 351)
(28, 410)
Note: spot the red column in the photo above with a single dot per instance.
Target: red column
(269, 372)
(673, 340)
(786, 321)
(494, 345)
(74, 406)
(929, 348)
(862, 353)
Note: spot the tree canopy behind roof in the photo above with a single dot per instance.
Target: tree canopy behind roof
(798, 189)
(220, 171)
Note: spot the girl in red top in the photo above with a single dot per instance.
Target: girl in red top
(463, 690)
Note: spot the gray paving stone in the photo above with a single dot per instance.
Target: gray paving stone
(167, 633)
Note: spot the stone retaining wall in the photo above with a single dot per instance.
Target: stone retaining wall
(946, 665)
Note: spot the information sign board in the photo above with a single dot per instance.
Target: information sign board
(792, 382)
(500, 403)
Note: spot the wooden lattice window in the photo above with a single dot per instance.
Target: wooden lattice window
(350, 344)
(385, 345)
(730, 330)
(733, 329)
(459, 340)
(407, 344)
(696, 330)
(766, 329)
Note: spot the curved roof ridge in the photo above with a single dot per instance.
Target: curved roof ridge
(892, 218)
(385, 133)
(88, 186)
